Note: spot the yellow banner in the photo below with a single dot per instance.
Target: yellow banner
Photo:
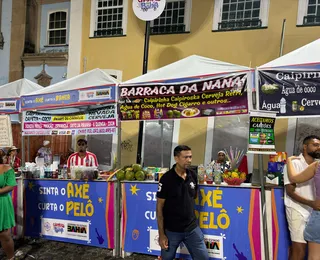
(68, 118)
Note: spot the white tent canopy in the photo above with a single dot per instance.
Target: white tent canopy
(95, 77)
(306, 55)
(192, 66)
(18, 88)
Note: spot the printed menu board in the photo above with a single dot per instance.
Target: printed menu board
(5, 131)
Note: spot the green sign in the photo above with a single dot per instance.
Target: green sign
(261, 133)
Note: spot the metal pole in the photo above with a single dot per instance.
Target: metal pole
(117, 221)
(282, 36)
(161, 144)
(117, 202)
(23, 160)
(28, 149)
(144, 71)
(263, 207)
(23, 153)
(146, 48)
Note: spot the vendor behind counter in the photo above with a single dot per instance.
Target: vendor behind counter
(222, 160)
(83, 157)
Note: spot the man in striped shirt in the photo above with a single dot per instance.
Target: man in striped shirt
(82, 158)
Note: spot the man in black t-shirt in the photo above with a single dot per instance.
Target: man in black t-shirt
(175, 209)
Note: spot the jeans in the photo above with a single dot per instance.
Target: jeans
(193, 240)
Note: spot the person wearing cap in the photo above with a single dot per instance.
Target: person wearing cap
(13, 159)
(222, 160)
(45, 152)
(83, 157)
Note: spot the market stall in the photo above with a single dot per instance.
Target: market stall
(10, 105)
(290, 86)
(193, 87)
(71, 203)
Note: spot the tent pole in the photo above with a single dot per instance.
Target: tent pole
(23, 160)
(28, 149)
(117, 202)
(144, 71)
(161, 144)
(263, 207)
(23, 153)
(282, 36)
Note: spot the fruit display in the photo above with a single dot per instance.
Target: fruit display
(84, 173)
(131, 173)
(234, 177)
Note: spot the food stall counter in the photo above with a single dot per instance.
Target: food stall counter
(74, 211)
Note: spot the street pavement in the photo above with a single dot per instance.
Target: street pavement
(42, 249)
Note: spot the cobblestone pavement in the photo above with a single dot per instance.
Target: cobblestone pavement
(41, 249)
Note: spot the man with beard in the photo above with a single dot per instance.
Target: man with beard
(300, 198)
(82, 158)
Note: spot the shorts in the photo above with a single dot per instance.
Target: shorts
(312, 231)
(297, 225)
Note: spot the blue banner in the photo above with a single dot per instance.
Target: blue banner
(70, 211)
(101, 94)
(229, 218)
(280, 233)
(9, 106)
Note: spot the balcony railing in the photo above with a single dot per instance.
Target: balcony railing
(311, 20)
(108, 32)
(239, 24)
(168, 29)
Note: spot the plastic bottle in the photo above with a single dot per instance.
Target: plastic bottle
(283, 104)
(201, 174)
(65, 172)
(42, 174)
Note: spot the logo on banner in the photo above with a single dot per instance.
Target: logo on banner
(135, 234)
(8, 105)
(58, 227)
(47, 226)
(148, 10)
(214, 244)
(78, 231)
(95, 94)
(76, 228)
(154, 243)
(103, 93)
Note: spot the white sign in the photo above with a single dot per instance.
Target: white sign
(214, 245)
(65, 229)
(148, 10)
(95, 94)
(8, 105)
(5, 131)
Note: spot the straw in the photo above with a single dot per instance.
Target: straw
(234, 156)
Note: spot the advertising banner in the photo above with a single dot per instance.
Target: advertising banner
(280, 234)
(9, 106)
(290, 92)
(6, 139)
(70, 211)
(261, 133)
(95, 121)
(102, 94)
(228, 217)
(218, 96)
